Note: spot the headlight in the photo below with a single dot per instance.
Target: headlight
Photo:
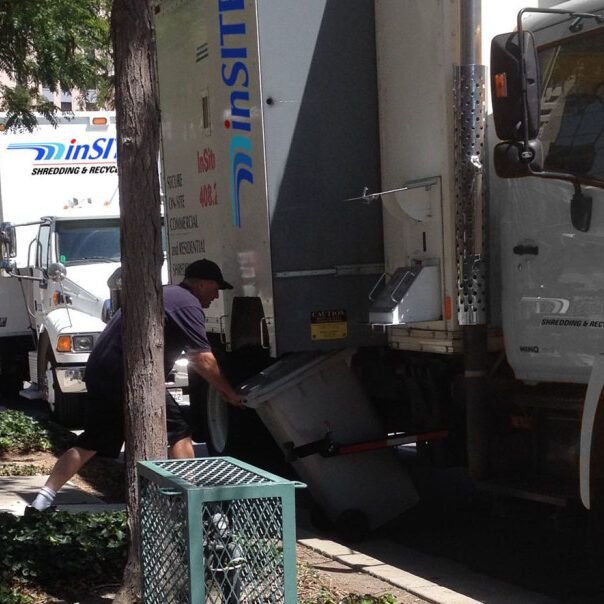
(82, 343)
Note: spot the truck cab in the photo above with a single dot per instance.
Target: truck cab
(69, 263)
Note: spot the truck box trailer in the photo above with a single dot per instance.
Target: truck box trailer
(335, 158)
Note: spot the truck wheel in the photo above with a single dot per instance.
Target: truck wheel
(65, 409)
(13, 366)
(218, 423)
(240, 433)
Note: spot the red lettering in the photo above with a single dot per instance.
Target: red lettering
(208, 195)
(206, 161)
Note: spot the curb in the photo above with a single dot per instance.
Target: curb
(465, 586)
(357, 561)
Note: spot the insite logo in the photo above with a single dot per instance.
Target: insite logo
(235, 76)
(102, 149)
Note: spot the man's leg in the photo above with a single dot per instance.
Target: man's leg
(179, 431)
(66, 466)
(182, 449)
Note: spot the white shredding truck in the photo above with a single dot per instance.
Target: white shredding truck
(60, 238)
(407, 266)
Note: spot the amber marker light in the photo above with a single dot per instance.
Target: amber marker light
(501, 85)
(64, 344)
(448, 308)
(99, 121)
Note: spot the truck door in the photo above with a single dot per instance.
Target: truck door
(42, 254)
(553, 272)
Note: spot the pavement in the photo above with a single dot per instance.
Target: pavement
(432, 579)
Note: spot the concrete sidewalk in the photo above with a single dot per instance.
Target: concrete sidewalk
(412, 571)
(16, 492)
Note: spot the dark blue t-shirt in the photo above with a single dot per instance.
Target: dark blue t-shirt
(184, 329)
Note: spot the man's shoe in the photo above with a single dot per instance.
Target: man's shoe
(32, 512)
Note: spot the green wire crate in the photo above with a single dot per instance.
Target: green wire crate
(216, 531)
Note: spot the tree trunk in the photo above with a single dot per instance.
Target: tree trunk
(137, 110)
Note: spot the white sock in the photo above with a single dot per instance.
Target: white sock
(44, 499)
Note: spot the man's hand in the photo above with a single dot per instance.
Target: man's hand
(205, 364)
(233, 399)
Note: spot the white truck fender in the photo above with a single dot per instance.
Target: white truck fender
(64, 321)
(589, 426)
(69, 321)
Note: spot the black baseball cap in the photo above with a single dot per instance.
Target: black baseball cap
(208, 270)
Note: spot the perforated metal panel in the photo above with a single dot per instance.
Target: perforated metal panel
(216, 531)
(470, 204)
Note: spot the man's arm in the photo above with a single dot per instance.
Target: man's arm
(206, 365)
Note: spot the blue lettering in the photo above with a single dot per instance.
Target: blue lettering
(240, 95)
(236, 75)
(108, 148)
(230, 29)
(241, 125)
(84, 148)
(236, 69)
(97, 148)
(230, 5)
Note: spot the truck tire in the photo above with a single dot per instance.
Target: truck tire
(65, 409)
(220, 424)
(228, 430)
(13, 365)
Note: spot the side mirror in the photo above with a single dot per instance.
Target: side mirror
(8, 241)
(56, 272)
(508, 86)
(114, 283)
(509, 159)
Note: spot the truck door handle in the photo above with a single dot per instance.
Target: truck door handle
(521, 250)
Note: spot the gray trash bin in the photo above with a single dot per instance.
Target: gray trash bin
(303, 396)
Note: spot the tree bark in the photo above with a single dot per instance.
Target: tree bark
(137, 110)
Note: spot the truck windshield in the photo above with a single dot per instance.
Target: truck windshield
(572, 106)
(88, 241)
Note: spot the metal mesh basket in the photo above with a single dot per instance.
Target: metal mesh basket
(216, 531)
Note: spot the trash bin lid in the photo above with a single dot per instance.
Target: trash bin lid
(286, 372)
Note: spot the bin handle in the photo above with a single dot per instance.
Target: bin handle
(298, 485)
(169, 492)
(402, 280)
(263, 324)
(382, 277)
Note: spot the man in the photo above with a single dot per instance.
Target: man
(184, 329)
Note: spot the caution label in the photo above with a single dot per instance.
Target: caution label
(328, 325)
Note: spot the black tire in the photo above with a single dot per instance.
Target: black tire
(319, 519)
(352, 526)
(222, 425)
(13, 365)
(65, 409)
(227, 430)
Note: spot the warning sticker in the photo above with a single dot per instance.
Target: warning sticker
(328, 325)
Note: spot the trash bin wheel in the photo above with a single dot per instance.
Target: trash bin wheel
(352, 526)
(319, 518)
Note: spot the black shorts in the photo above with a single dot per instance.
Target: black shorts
(104, 426)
